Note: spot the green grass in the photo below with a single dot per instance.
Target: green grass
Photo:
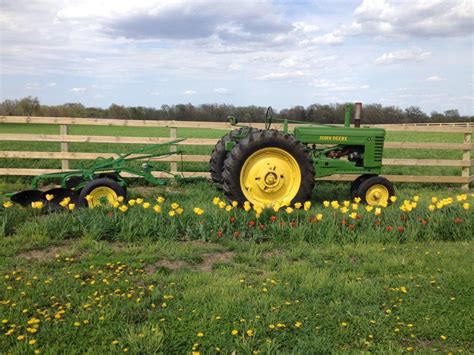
(154, 283)
(206, 150)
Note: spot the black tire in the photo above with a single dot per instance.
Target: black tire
(219, 154)
(356, 183)
(112, 184)
(255, 141)
(366, 184)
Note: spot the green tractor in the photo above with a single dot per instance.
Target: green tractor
(268, 167)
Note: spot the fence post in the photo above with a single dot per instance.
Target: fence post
(466, 156)
(173, 165)
(63, 131)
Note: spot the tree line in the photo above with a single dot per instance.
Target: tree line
(317, 113)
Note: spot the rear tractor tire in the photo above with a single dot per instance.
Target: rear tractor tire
(375, 190)
(268, 167)
(219, 154)
(102, 192)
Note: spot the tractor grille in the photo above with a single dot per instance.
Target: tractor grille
(378, 151)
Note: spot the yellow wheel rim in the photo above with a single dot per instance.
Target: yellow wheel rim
(377, 194)
(102, 195)
(270, 176)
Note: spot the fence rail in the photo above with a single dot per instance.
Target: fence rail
(64, 155)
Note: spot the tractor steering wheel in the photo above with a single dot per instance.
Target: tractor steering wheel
(268, 117)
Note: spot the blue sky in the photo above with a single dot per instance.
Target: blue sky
(278, 53)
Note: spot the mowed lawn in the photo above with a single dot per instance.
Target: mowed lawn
(206, 150)
(307, 289)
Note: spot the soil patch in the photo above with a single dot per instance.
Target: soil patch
(44, 254)
(207, 264)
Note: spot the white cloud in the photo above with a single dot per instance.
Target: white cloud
(283, 75)
(189, 92)
(288, 63)
(434, 78)
(421, 18)
(32, 86)
(155, 93)
(234, 67)
(77, 90)
(328, 38)
(414, 54)
(304, 27)
(221, 91)
(50, 85)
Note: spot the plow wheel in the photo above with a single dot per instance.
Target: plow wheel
(268, 167)
(375, 190)
(219, 154)
(101, 192)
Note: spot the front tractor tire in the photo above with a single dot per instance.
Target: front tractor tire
(101, 192)
(375, 190)
(266, 168)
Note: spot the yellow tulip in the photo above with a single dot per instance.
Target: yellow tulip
(171, 213)
(71, 207)
(465, 205)
(146, 205)
(307, 205)
(123, 208)
(139, 201)
(215, 201)
(49, 197)
(7, 204)
(319, 216)
(198, 211)
(235, 203)
(65, 202)
(289, 210)
(160, 199)
(393, 198)
(378, 211)
(298, 205)
(357, 199)
(326, 204)
(132, 202)
(157, 208)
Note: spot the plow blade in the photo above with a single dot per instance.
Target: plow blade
(59, 194)
(25, 198)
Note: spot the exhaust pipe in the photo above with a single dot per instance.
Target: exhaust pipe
(357, 114)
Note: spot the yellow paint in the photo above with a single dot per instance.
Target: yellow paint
(101, 194)
(269, 176)
(333, 138)
(377, 195)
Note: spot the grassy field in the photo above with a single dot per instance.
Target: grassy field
(142, 281)
(206, 133)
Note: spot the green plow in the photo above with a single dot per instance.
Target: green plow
(102, 182)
